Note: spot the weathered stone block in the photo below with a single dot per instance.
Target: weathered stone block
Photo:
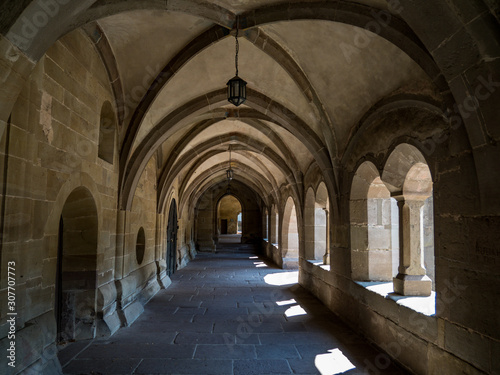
(33, 253)
(359, 237)
(423, 326)
(456, 54)
(17, 220)
(379, 237)
(374, 326)
(360, 265)
(470, 346)
(380, 265)
(408, 349)
(444, 363)
(108, 326)
(460, 298)
(358, 211)
(106, 295)
(132, 312)
(17, 178)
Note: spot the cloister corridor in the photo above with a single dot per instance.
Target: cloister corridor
(249, 187)
(230, 312)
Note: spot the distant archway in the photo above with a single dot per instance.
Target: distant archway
(229, 220)
(76, 280)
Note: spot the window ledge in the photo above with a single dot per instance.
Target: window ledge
(319, 263)
(423, 305)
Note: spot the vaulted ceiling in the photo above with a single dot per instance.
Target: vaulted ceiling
(314, 69)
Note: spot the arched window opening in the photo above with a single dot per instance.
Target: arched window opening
(374, 227)
(407, 176)
(321, 224)
(274, 226)
(290, 235)
(229, 219)
(384, 252)
(417, 191)
(107, 131)
(265, 225)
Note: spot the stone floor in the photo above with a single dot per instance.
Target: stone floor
(230, 313)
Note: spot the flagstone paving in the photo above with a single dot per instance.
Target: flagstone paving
(230, 313)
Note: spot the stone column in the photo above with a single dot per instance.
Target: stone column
(205, 225)
(411, 279)
(326, 257)
(161, 263)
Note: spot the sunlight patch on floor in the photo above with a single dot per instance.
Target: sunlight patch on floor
(296, 310)
(282, 278)
(332, 363)
(288, 302)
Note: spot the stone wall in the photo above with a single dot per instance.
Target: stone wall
(52, 140)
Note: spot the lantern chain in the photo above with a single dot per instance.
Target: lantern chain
(237, 47)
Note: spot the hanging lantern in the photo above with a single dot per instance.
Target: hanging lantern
(236, 87)
(236, 91)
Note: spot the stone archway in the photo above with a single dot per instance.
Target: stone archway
(76, 280)
(408, 177)
(229, 214)
(290, 236)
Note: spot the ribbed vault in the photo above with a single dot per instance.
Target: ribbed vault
(315, 71)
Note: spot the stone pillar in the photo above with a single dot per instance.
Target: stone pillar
(411, 279)
(326, 257)
(205, 225)
(161, 263)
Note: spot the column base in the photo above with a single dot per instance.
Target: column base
(412, 285)
(326, 259)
